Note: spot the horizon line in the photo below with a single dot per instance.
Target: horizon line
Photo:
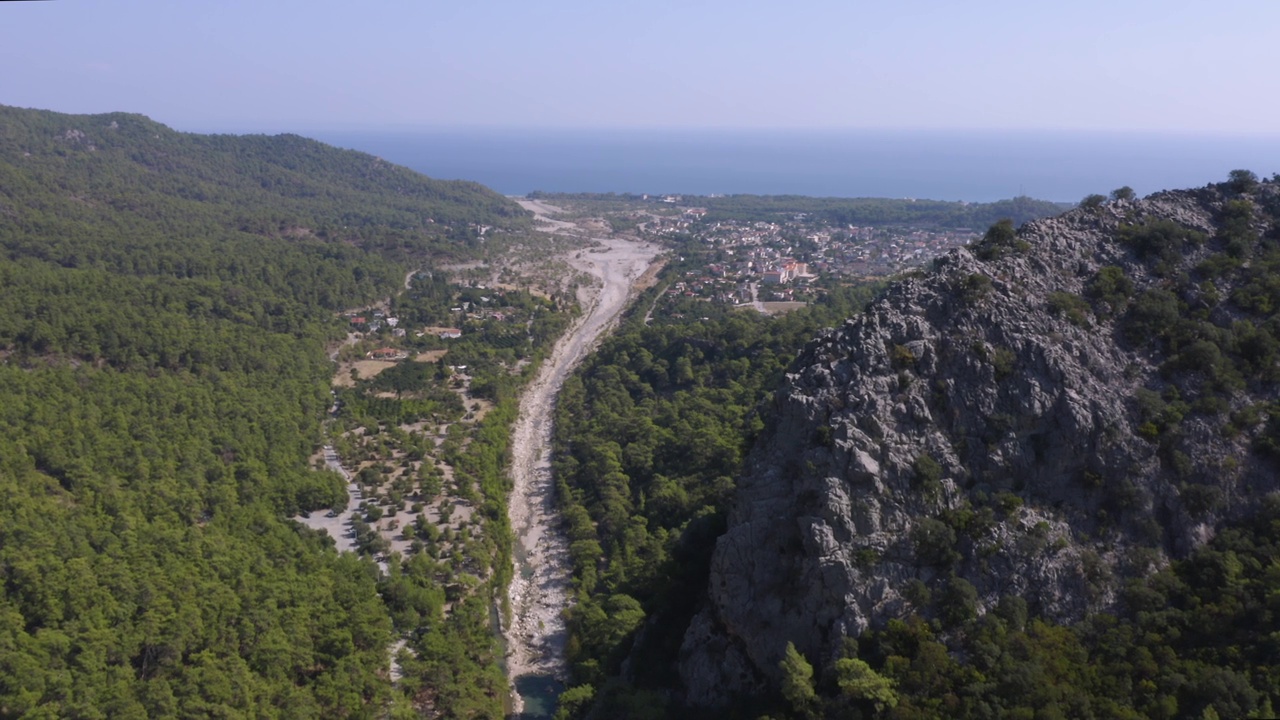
(464, 129)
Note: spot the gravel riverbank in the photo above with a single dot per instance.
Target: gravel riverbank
(539, 593)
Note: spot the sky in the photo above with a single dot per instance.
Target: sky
(1174, 66)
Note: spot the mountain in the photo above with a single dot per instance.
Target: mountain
(1052, 419)
(125, 193)
(283, 229)
(166, 302)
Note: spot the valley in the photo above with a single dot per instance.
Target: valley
(287, 430)
(539, 593)
(422, 505)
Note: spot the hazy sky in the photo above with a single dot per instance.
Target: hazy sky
(270, 65)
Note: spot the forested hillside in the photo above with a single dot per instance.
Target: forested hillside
(879, 211)
(835, 211)
(165, 303)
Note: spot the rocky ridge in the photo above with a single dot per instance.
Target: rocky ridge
(1009, 420)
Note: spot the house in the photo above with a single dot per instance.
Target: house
(448, 333)
(785, 272)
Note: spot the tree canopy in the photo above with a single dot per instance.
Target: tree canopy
(166, 301)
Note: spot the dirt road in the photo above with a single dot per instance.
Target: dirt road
(539, 592)
(338, 525)
(542, 213)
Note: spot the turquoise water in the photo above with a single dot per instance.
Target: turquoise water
(539, 693)
(972, 166)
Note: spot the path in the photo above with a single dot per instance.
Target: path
(539, 593)
(755, 299)
(338, 525)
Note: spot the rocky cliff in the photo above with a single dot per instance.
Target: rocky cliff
(1043, 415)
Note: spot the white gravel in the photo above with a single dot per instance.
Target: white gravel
(539, 593)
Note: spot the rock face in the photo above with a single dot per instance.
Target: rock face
(969, 425)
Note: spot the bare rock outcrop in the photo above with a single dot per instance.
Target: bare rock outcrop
(978, 423)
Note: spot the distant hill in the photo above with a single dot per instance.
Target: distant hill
(116, 190)
(880, 211)
(848, 211)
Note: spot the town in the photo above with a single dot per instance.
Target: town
(791, 259)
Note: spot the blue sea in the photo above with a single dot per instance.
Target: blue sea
(971, 166)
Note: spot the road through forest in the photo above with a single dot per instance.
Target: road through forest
(539, 592)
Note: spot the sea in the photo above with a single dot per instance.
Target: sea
(973, 166)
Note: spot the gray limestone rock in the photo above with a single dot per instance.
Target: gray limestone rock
(1044, 483)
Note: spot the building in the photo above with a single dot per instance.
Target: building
(785, 272)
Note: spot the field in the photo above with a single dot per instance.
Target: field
(779, 308)
(365, 369)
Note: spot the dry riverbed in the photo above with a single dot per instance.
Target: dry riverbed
(539, 594)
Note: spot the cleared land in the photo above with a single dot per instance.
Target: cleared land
(365, 369)
(778, 308)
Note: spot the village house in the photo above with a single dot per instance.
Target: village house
(444, 333)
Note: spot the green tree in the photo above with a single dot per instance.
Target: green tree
(857, 681)
(574, 702)
(1242, 181)
(797, 683)
(928, 473)
(958, 603)
(1093, 201)
(1111, 289)
(1000, 240)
